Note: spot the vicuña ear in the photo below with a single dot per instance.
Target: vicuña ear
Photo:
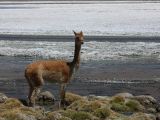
(81, 32)
(74, 32)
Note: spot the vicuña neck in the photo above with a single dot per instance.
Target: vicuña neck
(76, 58)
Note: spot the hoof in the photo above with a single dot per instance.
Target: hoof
(31, 104)
(63, 104)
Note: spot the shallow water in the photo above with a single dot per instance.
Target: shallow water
(98, 78)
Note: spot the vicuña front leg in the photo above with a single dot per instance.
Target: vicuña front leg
(30, 96)
(62, 95)
(33, 95)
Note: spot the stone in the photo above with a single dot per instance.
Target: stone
(158, 116)
(3, 98)
(54, 116)
(158, 107)
(142, 116)
(21, 116)
(146, 100)
(46, 96)
(151, 110)
(125, 95)
(94, 97)
(2, 118)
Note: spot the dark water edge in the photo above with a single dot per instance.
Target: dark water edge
(65, 38)
(96, 78)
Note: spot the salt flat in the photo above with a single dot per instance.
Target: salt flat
(94, 18)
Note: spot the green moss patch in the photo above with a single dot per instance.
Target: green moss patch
(85, 105)
(120, 107)
(11, 103)
(102, 112)
(71, 97)
(118, 99)
(134, 105)
(78, 115)
(119, 104)
(91, 106)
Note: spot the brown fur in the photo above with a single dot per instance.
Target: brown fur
(53, 71)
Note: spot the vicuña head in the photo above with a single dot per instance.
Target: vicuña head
(79, 37)
(59, 71)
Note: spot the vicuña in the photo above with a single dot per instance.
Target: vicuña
(59, 71)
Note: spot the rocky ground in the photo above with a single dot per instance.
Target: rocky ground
(122, 106)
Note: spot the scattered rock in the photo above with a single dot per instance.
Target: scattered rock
(46, 96)
(158, 116)
(146, 100)
(151, 110)
(21, 116)
(3, 98)
(54, 116)
(94, 97)
(125, 95)
(2, 118)
(158, 107)
(142, 116)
